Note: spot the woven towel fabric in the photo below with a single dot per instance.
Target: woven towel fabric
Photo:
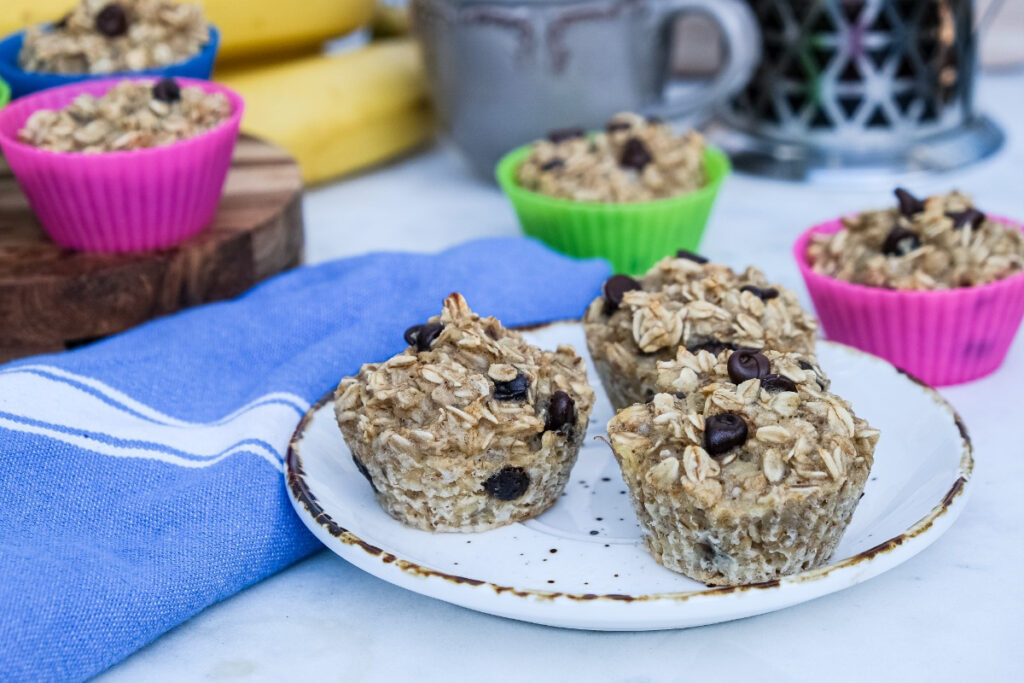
(141, 477)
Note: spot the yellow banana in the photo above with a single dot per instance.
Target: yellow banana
(247, 27)
(253, 27)
(338, 113)
(19, 14)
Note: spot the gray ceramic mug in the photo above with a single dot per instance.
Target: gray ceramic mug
(504, 72)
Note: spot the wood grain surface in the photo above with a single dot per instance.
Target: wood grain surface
(53, 299)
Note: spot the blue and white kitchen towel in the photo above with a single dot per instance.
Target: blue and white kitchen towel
(141, 477)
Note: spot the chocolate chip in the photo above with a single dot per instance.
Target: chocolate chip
(512, 390)
(613, 290)
(112, 21)
(690, 256)
(552, 164)
(900, 242)
(363, 471)
(714, 347)
(747, 364)
(564, 134)
(508, 483)
(680, 395)
(971, 217)
(62, 23)
(561, 412)
(724, 432)
(411, 334)
(635, 155)
(762, 294)
(166, 90)
(773, 384)
(422, 336)
(616, 126)
(909, 204)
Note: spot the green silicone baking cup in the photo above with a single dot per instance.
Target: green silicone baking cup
(5, 94)
(632, 236)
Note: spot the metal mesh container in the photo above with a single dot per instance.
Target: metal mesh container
(861, 84)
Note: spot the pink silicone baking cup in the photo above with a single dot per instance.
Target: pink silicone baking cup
(121, 201)
(943, 337)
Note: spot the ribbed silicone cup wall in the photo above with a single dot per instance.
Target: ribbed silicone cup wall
(943, 337)
(121, 201)
(633, 236)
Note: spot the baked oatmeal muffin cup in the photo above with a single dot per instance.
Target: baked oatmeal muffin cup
(470, 427)
(121, 201)
(748, 471)
(23, 82)
(631, 236)
(943, 337)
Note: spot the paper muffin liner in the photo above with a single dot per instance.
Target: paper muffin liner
(5, 93)
(22, 82)
(121, 201)
(943, 337)
(632, 236)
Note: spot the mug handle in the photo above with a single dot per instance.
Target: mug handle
(742, 36)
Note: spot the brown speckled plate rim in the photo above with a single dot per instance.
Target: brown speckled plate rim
(300, 491)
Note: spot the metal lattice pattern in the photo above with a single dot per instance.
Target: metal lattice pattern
(850, 72)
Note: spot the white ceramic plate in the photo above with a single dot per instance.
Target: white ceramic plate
(582, 563)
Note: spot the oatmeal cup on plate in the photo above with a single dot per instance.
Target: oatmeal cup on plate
(935, 286)
(470, 428)
(746, 468)
(632, 193)
(101, 39)
(123, 165)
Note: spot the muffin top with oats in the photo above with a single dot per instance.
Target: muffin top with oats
(743, 428)
(466, 385)
(635, 159)
(686, 301)
(102, 37)
(942, 242)
(131, 115)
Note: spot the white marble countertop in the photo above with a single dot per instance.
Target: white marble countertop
(951, 613)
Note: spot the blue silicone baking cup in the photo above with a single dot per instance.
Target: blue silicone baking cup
(26, 82)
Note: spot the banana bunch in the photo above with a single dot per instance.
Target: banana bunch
(248, 27)
(338, 113)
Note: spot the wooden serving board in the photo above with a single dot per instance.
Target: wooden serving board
(53, 299)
